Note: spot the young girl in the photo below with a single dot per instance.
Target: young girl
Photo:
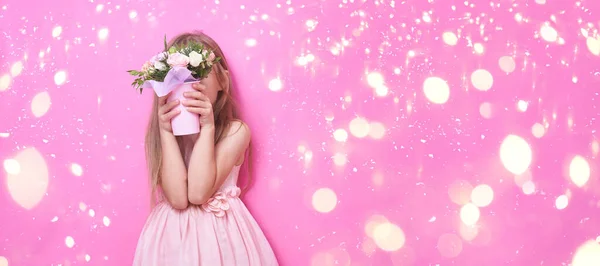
(198, 217)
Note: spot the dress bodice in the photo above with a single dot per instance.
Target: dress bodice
(232, 178)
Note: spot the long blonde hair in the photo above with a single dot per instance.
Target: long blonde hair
(224, 110)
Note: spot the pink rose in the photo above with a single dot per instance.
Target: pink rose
(146, 67)
(211, 57)
(177, 59)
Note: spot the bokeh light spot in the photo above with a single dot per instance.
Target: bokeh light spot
(538, 130)
(515, 154)
(56, 31)
(133, 14)
(324, 200)
(594, 146)
(468, 232)
(376, 130)
(436, 90)
(579, 171)
(103, 34)
(106, 221)
(375, 79)
(507, 64)
(28, 186)
(69, 241)
(311, 24)
(593, 44)
(469, 214)
(460, 192)
(16, 68)
(251, 42)
(76, 169)
(40, 104)
(60, 77)
(340, 159)
(5, 81)
(528, 188)
(388, 236)
(12, 166)
(372, 223)
(377, 83)
(449, 245)
(522, 106)
(478, 48)
(482, 79)
(450, 38)
(275, 84)
(485, 110)
(377, 179)
(482, 195)
(588, 254)
(548, 33)
(561, 202)
(359, 127)
(340, 135)
(382, 91)
(322, 259)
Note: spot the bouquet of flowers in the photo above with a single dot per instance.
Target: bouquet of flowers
(173, 70)
(174, 66)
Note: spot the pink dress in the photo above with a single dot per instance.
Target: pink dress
(220, 232)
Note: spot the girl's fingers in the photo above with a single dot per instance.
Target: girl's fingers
(168, 106)
(198, 86)
(196, 95)
(198, 110)
(170, 115)
(196, 103)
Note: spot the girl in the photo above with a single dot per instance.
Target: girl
(198, 217)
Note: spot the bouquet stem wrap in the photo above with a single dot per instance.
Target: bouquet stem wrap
(177, 81)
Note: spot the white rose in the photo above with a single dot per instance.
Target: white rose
(195, 59)
(160, 65)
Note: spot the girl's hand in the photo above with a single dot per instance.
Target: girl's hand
(166, 112)
(198, 103)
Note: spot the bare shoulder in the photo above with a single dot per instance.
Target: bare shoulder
(239, 130)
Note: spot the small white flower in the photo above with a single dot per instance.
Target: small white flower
(161, 56)
(195, 59)
(160, 65)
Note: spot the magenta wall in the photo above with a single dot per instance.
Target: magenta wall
(386, 132)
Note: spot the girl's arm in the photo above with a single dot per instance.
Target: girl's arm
(210, 165)
(173, 172)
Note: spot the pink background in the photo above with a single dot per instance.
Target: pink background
(73, 188)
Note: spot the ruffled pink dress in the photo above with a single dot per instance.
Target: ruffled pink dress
(220, 232)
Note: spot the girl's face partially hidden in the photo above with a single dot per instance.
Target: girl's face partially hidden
(213, 86)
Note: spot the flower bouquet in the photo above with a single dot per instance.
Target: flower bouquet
(173, 71)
